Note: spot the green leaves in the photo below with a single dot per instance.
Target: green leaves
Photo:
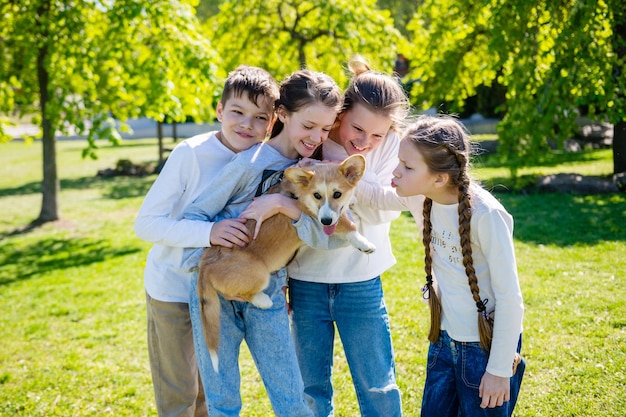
(285, 35)
(133, 58)
(551, 57)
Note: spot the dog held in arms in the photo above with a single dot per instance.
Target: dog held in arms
(323, 190)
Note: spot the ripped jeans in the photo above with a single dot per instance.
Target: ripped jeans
(359, 313)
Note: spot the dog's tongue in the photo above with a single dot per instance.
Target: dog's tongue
(329, 230)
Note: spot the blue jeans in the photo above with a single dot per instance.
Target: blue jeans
(358, 310)
(453, 376)
(267, 335)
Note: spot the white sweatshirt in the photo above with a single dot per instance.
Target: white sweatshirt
(189, 168)
(494, 261)
(347, 264)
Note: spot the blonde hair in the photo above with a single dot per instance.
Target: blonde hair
(379, 92)
(444, 144)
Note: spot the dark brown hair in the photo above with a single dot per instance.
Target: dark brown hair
(304, 88)
(253, 81)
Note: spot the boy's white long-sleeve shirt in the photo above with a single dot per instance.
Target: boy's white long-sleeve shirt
(347, 264)
(494, 261)
(189, 169)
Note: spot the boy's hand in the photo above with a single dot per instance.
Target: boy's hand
(230, 232)
(494, 390)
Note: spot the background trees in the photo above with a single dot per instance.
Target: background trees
(555, 59)
(75, 65)
(285, 35)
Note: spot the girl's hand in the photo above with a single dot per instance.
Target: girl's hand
(494, 390)
(267, 205)
(229, 232)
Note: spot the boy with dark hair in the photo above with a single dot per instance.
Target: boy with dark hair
(246, 112)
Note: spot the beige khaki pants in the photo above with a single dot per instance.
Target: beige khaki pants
(177, 387)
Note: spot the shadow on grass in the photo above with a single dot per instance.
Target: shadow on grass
(114, 187)
(20, 263)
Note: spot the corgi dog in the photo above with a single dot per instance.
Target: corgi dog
(323, 190)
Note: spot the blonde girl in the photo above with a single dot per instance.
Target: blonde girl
(341, 289)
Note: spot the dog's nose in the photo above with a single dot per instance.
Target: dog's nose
(326, 221)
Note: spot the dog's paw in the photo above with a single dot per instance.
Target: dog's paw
(370, 248)
(261, 300)
(361, 243)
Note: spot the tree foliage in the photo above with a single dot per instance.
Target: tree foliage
(75, 65)
(285, 35)
(552, 57)
(401, 11)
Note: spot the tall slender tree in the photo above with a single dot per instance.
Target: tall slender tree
(75, 65)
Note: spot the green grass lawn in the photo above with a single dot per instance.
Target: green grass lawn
(72, 320)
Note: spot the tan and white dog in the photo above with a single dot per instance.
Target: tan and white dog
(323, 190)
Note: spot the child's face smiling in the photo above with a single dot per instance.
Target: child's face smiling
(307, 128)
(244, 123)
(361, 130)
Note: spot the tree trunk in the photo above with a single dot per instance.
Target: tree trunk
(619, 147)
(619, 46)
(301, 54)
(160, 136)
(50, 186)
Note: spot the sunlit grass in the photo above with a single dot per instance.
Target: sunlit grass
(73, 313)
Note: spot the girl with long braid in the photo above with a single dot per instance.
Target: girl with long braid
(472, 287)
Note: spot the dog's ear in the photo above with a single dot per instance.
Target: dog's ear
(353, 168)
(299, 176)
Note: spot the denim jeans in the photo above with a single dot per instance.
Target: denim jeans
(358, 310)
(267, 335)
(453, 376)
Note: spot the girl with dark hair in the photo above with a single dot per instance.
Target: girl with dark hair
(306, 110)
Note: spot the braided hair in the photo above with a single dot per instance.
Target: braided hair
(444, 144)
